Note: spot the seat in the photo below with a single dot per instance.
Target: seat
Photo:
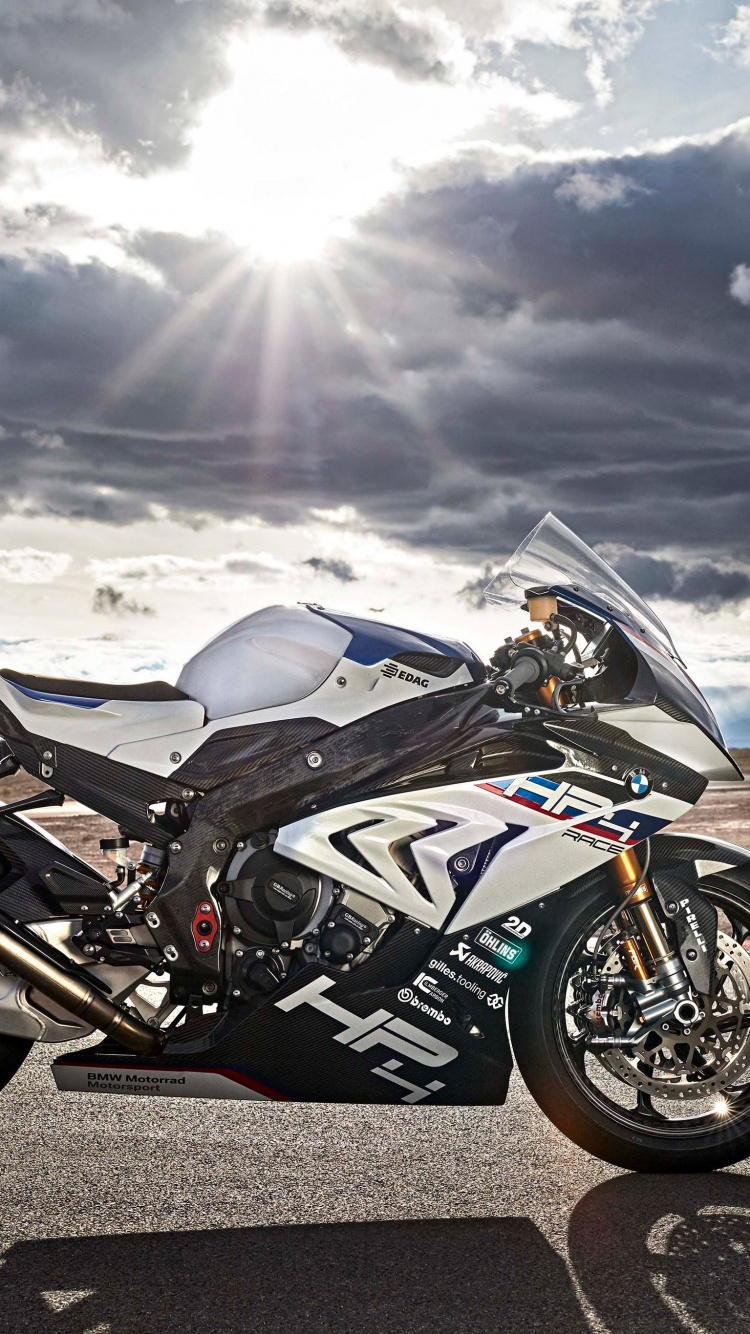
(56, 688)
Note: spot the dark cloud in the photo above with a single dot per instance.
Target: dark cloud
(480, 351)
(413, 44)
(135, 73)
(472, 592)
(340, 569)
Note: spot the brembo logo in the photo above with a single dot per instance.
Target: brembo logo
(392, 669)
(362, 1032)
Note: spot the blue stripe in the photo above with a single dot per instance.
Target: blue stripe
(374, 641)
(77, 701)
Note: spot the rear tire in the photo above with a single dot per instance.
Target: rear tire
(628, 1141)
(13, 1053)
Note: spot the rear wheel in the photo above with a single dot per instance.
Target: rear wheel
(676, 1101)
(13, 1053)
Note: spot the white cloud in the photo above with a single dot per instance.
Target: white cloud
(170, 571)
(26, 565)
(739, 284)
(591, 192)
(734, 42)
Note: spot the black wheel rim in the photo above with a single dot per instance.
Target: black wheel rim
(647, 1114)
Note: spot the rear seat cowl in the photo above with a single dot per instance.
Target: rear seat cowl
(147, 692)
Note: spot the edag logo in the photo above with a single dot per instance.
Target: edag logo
(393, 669)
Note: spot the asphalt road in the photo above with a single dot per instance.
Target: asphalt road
(133, 1216)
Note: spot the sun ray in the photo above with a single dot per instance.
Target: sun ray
(151, 354)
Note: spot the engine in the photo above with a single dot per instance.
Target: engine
(283, 915)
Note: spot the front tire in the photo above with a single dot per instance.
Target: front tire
(640, 1137)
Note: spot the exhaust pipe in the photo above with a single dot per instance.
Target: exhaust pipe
(77, 996)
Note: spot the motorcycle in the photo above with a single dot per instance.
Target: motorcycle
(371, 862)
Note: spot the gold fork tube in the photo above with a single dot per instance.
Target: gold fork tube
(626, 871)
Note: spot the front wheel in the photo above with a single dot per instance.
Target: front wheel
(679, 1100)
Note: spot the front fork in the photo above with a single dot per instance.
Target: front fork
(664, 975)
(625, 870)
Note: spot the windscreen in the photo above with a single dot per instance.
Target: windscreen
(553, 557)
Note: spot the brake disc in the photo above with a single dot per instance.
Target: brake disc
(713, 1054)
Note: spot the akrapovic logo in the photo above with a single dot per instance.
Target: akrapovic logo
(381, 1028)
(393, 669)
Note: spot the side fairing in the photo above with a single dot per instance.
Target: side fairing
(461, 854)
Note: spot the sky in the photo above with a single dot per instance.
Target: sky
(332, 300)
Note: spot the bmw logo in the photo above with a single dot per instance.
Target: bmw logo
(638, 782)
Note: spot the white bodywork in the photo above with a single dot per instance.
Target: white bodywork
(279, 663)
(552, 849)
(682, 741)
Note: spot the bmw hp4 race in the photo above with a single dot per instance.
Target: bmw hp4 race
(376, 870)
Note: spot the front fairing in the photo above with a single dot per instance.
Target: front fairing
(661, 675)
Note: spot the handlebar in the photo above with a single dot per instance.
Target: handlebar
(524, 672)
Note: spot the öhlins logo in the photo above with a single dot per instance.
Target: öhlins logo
(393, 669)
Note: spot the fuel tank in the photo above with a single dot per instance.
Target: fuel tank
(280, 655)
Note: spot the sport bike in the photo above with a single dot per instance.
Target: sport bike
(371, 863)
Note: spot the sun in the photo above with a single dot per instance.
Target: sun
(304, 140)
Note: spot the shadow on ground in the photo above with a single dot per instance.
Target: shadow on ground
(481, 1275)
(667, 1253)
(650, 1252)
